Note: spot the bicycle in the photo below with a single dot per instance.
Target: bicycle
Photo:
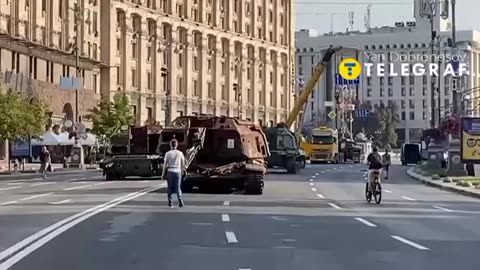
(377, 189)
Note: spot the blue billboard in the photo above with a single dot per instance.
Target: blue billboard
(20, 149)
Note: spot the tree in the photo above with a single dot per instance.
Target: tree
(388, 120)
(109, 117)
(19, 117)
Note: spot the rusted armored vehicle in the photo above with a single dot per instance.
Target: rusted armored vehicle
(219, 151)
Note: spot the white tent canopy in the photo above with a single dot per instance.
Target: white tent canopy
(91, 140)
(49, 138)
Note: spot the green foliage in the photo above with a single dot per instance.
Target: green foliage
(20, 118)
(380, 125)
(109, 116)
(388, 120)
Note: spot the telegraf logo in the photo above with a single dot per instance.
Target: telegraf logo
(405, 65)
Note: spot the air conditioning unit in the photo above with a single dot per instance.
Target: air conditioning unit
(399, 24)
(411, 24)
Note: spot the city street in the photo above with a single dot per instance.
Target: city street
(318, 219)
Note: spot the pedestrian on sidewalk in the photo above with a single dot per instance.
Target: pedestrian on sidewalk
(387, 161)
(45, 161)
(173, 167)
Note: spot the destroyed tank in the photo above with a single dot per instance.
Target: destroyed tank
(219, 151)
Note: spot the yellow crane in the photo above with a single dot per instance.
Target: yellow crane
(283, 144)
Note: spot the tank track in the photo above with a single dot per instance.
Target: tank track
(254, 184)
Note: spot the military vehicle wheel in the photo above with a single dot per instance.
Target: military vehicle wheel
(304, 163)
(293, 166)
(186, 187)
(254, 184)
(110, 176)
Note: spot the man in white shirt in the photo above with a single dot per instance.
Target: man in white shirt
(173, 166)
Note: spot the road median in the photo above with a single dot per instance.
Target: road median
(462, 185)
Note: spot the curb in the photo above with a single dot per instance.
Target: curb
(31, 175)
(431, 183)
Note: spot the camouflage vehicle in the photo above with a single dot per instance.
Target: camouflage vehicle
(284, 150)
(136, 155)
(219, 151)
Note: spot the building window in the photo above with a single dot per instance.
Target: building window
(412, 115)
(149, 80)
(390, 80)
(382, 79)
(134, 78)
(134, 50)
(195, 88)
(195, 63)
(369, 92)
(118, 46)
(403, 80)
(210, 89)
(272, 101)
(390, 92)
(224, 92)
(224, 68)
(402, 104)
(149, 53)
(424, 115)
(94, 83)
(381, 92)
(180, 60)
(271, 77)
(424, 92)
(149, 113)
(403, 116)
(249, 73)
(424, 103)
(209, 65)
(412, 80)
(249, 95)
(412, 104)
(404, 92)
(180, 85)
(412, 92)
(369, 81)
(424, 79)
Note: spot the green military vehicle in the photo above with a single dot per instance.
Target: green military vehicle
(284, 150)
(140, 158)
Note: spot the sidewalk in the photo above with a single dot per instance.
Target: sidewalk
(32, 171)
(448, 183)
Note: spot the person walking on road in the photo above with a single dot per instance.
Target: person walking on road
(173, 166)
(45, 161)
(386, 161)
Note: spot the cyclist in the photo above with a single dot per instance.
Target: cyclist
(374, 165)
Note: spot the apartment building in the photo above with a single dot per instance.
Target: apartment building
(37, 41)
(190, 57)
(412, 95)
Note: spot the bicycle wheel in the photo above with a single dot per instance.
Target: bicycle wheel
(378, 193)
(368, 194)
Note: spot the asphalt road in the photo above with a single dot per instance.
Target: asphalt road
(318, 219)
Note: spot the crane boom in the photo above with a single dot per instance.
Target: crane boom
(303, 98)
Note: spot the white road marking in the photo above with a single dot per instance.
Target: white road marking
(42, 184)
(14, 184)
(226, 203)
(231, 238)
(283, 247)
(311, 184)
(79, 187)
(410, 243)
(408, 198)
(9, 188)
(311, 180)
(36, 196)
(350, 166)
(278, 234)
(387, 191)
(76, 179)
(443, 209)
(289, 240)
(61, 202)
(366, 222)
(244, 268)
(314, 189)
(23, 248)
(295, 225)
(317, 174)
(225, 218)
(100, 184)
(314, 176)
(202, 223)
(320, 196)
(8, 203)
(322, 171)
(334, 206)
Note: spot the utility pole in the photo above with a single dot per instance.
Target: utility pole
(168, 96)
(454, 49)
(78, 22)
(432, 80)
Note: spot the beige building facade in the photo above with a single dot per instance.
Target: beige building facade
(191, 57)
(37, 42)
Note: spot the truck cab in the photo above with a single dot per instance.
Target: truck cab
(321, 145)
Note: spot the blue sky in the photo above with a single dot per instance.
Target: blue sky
(381, 15)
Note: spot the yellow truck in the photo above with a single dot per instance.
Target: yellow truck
(321, 145)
